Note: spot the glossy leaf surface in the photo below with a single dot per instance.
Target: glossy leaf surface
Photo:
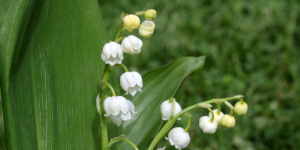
(50, 74)
(159, 85)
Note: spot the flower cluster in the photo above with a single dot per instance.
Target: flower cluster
(180, 138)
(118, 108)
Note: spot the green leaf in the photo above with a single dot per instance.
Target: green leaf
(50, 69)
(159, 85)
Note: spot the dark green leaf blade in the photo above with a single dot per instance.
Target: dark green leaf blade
(159, 85)
(51, 74)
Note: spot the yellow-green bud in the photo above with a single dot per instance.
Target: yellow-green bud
(240, 108)
(147, 28)
(131, 22)
(227, 121)
(150, 14)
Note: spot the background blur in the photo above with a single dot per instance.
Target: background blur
(252, 48)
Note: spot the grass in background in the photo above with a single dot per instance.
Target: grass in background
(251, 49)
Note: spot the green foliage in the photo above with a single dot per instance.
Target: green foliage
(252, 49)
(50, 74)
(160, 85)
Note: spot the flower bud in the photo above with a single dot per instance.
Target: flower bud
(217, 116)
(147, 28)
(207, 126)
(166, 109)
(132, 45)
(131, 22)
(178, 137)
(131, 82)
(227, 121)
(118, 108)
(112, 53)
(240, 108)
(150, 14)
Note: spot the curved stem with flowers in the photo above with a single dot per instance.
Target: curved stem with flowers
(119, 109)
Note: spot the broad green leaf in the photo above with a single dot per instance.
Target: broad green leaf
(50, 69)
(159, 85)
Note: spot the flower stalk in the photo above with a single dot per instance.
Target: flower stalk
(189, 122)
(122, 138)
(103, 123)
(171, 122)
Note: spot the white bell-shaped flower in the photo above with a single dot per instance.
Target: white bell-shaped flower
(132, 45)
(131, 82)
(217, 116)
(147, 28)
(207, 126)
(112, 53)
(118, 108)
(166, 109)
(178, 137)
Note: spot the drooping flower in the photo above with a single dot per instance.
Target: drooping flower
(166, 109)
(132, 45)
(240, 108)
(207, 125)
(131, 22)
(131, 82)
(150, 14)
(147, 28)
(217, 116)
(178, 137)
(227, 121)
(112, 53)
(118, 108)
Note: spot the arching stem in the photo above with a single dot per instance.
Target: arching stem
(189, 121)
(122, 138)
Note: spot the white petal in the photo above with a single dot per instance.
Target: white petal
(106, 106)
(178, 137)
(123, 104)
(131, 106)
(125, 117)
(114, 107)
(166, 109)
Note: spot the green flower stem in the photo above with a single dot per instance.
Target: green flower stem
(242, 100)
(219, 108)
(111, 89)
(212, 114)
(231, 112)
(120, 39)
(119, 33)
(103, 124)
(170, 123)
(189, 122)
(121, 65)
(122, 138)
(173, 107)
(140, 13)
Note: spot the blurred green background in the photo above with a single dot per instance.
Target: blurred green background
(252, 48)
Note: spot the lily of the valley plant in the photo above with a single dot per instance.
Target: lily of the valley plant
(119, 109)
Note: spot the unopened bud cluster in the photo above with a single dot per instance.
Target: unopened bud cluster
(146, 29)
